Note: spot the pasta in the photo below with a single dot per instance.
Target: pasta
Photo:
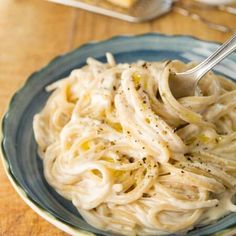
(132, 158)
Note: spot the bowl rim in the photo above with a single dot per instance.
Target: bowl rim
(40, 210)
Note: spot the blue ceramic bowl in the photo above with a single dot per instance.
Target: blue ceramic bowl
(19, 149)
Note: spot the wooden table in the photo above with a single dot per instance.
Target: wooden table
(32, 32)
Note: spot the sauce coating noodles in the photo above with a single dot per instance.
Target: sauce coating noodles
(132, 158)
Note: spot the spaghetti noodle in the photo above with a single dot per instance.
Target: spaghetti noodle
(131, 157)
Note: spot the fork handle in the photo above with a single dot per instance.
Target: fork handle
(227, 48)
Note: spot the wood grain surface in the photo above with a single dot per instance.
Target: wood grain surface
(32, 32)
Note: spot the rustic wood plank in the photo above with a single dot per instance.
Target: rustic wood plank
(91, 26)
(31, 33)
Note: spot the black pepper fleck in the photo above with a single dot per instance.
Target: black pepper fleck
(131, 159)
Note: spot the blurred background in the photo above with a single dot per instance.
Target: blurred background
(32, 32)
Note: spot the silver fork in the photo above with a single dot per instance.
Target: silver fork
(184, 83)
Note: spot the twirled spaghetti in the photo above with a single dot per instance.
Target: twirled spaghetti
(131, 157)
